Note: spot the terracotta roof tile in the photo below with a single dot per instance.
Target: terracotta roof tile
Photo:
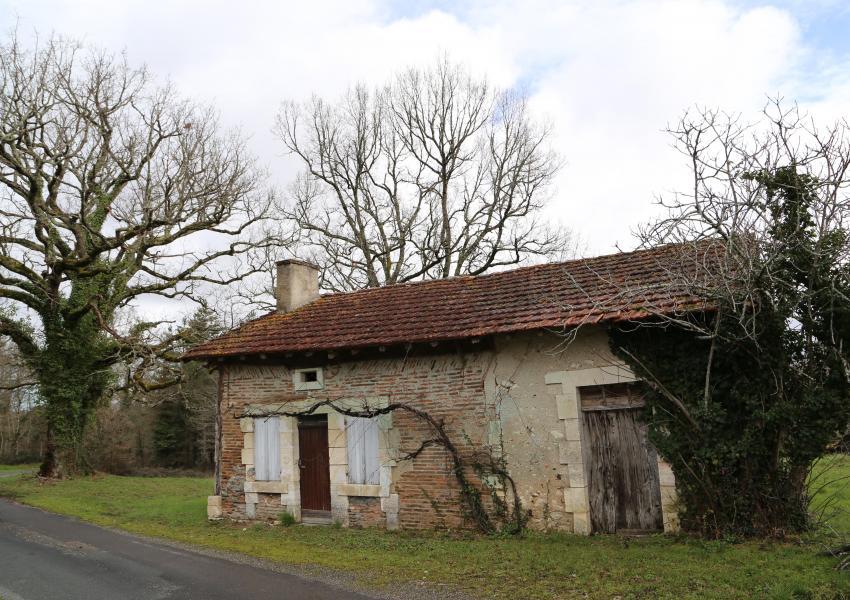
(616, 287)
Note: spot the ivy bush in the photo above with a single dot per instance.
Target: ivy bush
(742, 398)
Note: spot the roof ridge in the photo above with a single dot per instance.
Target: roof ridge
(500, 273)
(443, 280)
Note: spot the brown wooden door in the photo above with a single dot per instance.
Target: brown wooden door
(622, 467)
(314, 463)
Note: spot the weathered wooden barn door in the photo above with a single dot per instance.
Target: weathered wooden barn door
(314, 463)
(622, 465)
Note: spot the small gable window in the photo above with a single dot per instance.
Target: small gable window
(267, 449)
(308, 379)
(362, 438)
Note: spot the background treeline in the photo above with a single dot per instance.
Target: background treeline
(134, 430)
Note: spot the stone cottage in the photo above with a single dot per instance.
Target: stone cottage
(517, 360)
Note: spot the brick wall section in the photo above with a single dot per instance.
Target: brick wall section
(365, 512)
(448, 387)
(268, 507)
(230, 453)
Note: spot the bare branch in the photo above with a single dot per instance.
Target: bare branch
(435, 175)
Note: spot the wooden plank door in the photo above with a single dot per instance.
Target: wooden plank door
(314, 463)
(622, 465)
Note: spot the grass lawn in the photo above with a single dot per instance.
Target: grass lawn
(830, 485)
(536, 566)
(21, 467)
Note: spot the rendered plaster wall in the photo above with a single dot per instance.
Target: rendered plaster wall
(535, 382)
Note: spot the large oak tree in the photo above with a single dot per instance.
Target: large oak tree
(112, 188)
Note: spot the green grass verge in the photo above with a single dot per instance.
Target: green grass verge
(536, 566)
(21, 467)
(829, 485)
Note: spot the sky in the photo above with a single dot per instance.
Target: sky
(609, 75)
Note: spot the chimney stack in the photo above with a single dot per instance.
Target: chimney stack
(297, 284)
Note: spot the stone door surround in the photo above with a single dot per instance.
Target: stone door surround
(571, 453)
(289, 485)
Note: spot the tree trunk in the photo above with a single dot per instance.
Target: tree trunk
(73, 374)
(49, 463)
(64, 454)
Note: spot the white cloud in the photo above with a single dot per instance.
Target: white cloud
(622, 72)
(610, 75)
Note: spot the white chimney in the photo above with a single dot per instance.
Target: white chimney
(297, 284)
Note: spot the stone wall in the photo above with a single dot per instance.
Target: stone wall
(518, 396)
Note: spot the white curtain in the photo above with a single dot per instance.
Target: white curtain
(267, 449)
(362, 436)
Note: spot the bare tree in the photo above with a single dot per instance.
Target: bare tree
(437, 174)
(733, 200)
(749, 383)
(111, 189)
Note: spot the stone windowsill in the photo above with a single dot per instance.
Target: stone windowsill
(266, 487)
(357, 489)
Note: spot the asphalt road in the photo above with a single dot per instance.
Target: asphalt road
(45, 557)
